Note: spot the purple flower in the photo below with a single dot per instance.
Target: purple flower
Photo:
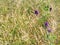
(50, 8)
(46, 24)
(49, 30)
(36, 12)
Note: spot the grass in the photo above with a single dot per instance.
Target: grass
(19, 25)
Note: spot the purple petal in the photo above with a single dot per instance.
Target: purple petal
(49, 30)
(46, 24)
(36, 12)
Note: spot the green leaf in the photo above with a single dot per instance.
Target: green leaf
(46, 8)
(52, 38)
(52, 44)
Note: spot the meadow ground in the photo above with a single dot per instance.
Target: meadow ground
(29, 22)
